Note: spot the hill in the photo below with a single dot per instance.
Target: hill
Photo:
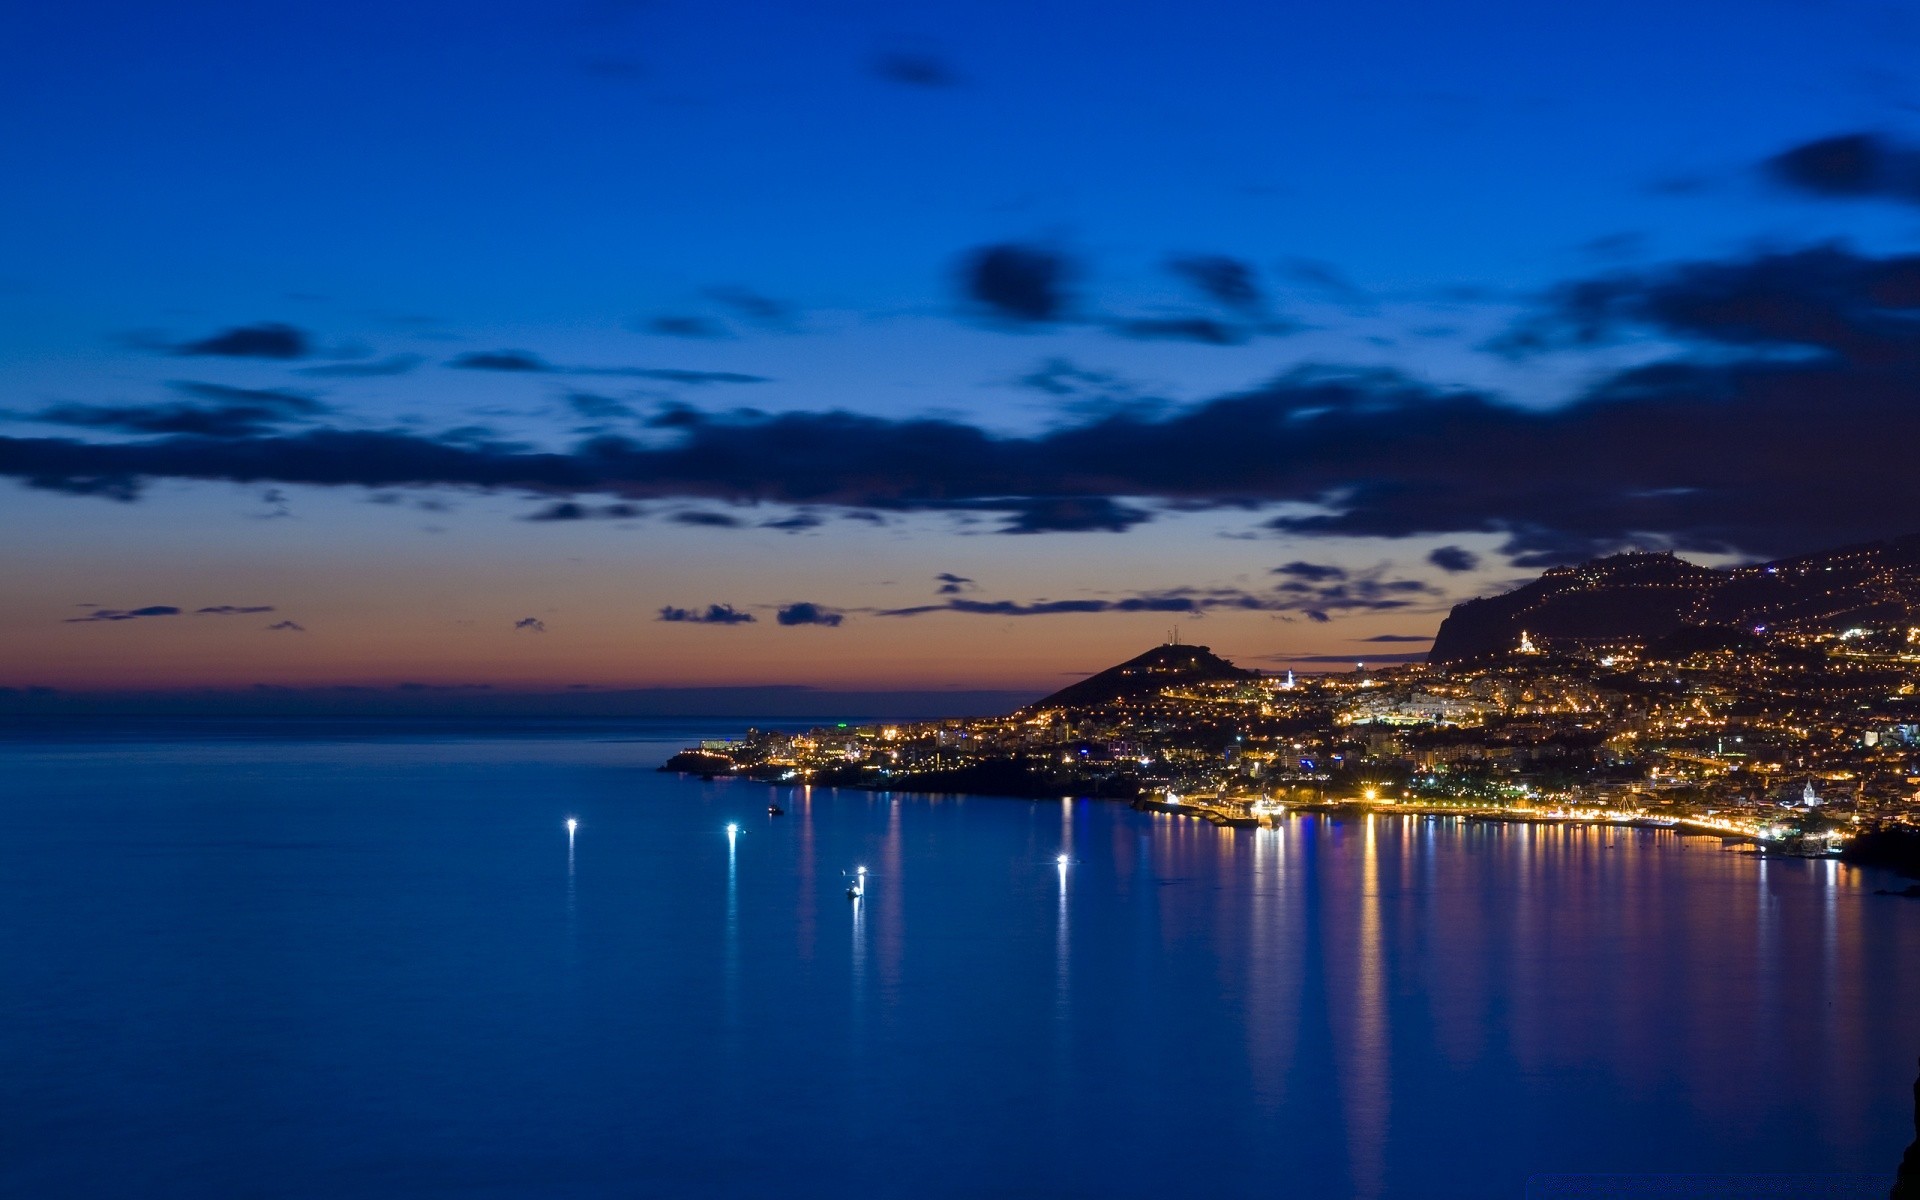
(1161, 667)
(1643, 598)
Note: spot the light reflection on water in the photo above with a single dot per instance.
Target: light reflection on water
(360, 970)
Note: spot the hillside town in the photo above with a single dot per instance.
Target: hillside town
(1792, 741)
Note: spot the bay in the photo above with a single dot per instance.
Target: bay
(366, 959)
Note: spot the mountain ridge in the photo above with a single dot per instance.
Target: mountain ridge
(1640, 597)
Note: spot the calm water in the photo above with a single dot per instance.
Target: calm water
(348, 965)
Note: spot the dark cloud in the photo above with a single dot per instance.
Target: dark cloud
(795, 523)
(232, 610)
(396, 364)
(525, 362)
(1398, 637)
(953, 585)
(1368, 593)
(1309, 588)
(531, 625)
(288, 627)
(1326, 279)
(1829, 299)
(1355, 660)
(1454, 559)
(915, 70)
(1021, 284)
(1062, 377)
(573, 510)
(751, 306)
(715, 614)
(1204, 330)
(268, 339)
(675, 375)
(805, 613)
(1311, 572)
(225, 412)
(1050, 608)
(1227, 281)
(1850, 166)
(685, 325)
(1781, 422)
(708, 520)
(124, 614)
(1071, 514)
(600, 408)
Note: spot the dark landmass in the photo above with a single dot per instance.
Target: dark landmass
(1022, 778)
(1894, 849)
(1645, 598)
(1906, 1184)
(1147, 675)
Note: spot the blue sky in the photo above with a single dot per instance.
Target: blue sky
(804, 186)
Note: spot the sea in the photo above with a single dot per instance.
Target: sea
(339, 959)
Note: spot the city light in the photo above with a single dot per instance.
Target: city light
(1713, 733)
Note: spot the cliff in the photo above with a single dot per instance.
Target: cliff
(1643, 598)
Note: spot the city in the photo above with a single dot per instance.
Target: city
(1799, 739)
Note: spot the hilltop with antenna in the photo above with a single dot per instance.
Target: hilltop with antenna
(1171, 664)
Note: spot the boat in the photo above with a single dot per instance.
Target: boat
(774, 810)
(858, 887)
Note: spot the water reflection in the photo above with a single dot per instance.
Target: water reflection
(732, 969)
(1367, 1075)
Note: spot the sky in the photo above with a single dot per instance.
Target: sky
(596, 345)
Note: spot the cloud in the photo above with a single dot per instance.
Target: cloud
(527, 363)
(805, 613)
(1019, 284)
(1072, 514)
(1778, 421)
(1326, 279)
(124, 614)
(795, 523)
(226, 412)
(524, 361)
(395, 364)
(715, 614)
(269, 339)
(599, 408)
(1204, 330)
(707, 520)
(1311, 572)
(1849, 166)
(232, 610)
(1826, 298)
(952, 585)
(1227, 281)
(1453, 559)
(915, 70)
(288, 627)
(676, 375)
(752, 306)
(1062, 377)
(1050, 608)
(531, 625)
(1356, 659)
(1398, 637)
(1370, 592)
(684, 325)
(573, 510)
